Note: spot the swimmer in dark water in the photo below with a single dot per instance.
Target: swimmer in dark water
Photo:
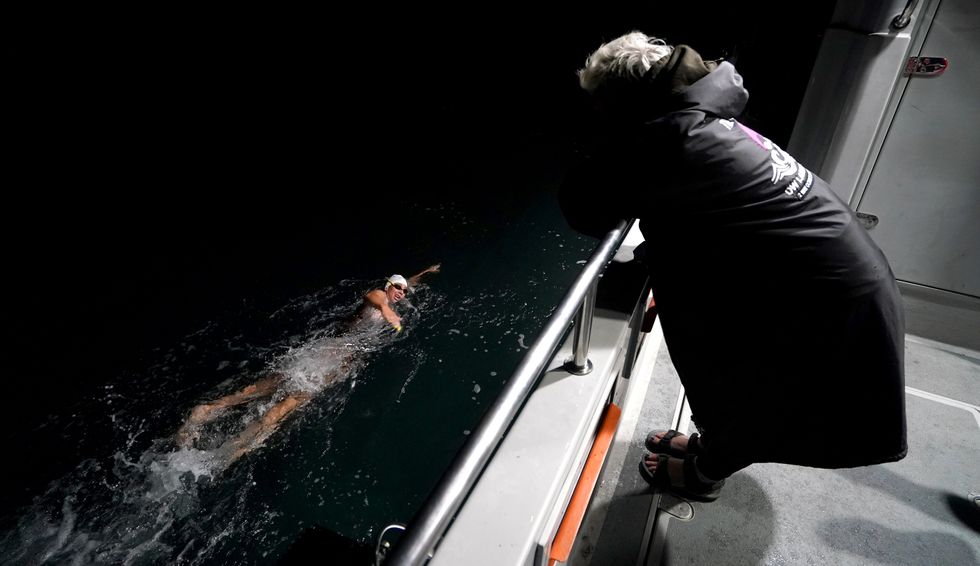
(322, 364)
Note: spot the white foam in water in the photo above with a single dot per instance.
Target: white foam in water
(117, 516)
(145, 502)
(64, 530)
(312, 367)
(166, 474)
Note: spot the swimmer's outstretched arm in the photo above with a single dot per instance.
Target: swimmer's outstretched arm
(414, 280)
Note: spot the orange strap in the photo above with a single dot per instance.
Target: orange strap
(561, 548)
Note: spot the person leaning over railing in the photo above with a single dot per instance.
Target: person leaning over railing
(780, 313)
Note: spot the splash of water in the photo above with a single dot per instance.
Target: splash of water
(148, 501)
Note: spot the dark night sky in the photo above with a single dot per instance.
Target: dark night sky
(163, 159)
(139, 141)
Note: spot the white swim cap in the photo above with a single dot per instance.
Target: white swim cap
(396, 280)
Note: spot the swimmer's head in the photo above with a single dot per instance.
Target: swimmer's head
(396, 287)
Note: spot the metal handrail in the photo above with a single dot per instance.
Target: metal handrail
(430, 523)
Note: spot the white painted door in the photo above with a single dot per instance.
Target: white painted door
(925, 185)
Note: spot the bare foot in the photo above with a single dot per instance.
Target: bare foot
(200, 414)
(675, 468)
(680, 476)
(679, 442)
(678, 445)
(186, 436)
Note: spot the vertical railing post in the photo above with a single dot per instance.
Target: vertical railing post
(636, 324)
(580, 364)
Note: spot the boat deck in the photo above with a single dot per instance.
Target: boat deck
(921, 510)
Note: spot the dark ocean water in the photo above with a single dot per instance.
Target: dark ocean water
(106, 483)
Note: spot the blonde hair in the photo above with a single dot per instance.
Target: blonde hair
(627, 57)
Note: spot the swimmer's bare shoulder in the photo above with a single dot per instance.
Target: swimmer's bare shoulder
(378, 300)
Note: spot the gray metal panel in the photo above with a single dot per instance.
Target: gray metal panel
(854, 90)
(943, 316)
(846, 105)
(925, 186)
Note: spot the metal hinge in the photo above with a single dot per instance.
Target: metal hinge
(926, 66)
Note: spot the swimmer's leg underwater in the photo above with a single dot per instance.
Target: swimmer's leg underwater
(255, 433)
(206, 412)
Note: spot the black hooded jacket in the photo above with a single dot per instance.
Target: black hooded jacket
(770, 293)
(717, 199)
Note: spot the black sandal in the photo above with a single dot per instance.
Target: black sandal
(694, 488)
(663, 446)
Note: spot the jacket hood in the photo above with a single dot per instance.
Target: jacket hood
(719, 93)
(680, 81)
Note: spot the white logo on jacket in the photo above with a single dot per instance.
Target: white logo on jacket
(783, 165)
